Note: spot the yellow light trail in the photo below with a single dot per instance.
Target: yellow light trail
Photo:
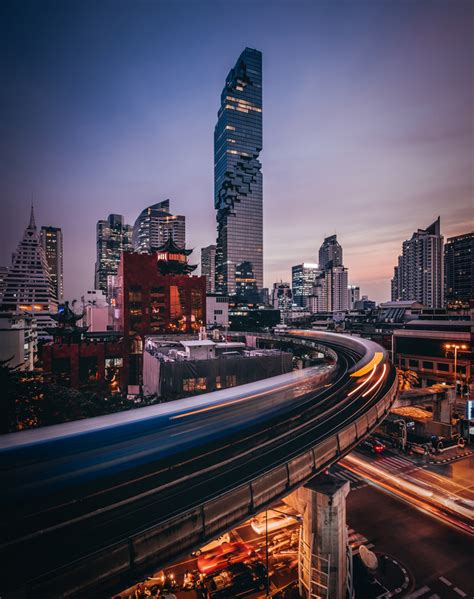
(378, 357)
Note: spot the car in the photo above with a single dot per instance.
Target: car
(225, 538)
(373, 445)
(276, 520)
(222, 556)
(237, 580)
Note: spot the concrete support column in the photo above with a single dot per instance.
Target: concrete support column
(322, 556)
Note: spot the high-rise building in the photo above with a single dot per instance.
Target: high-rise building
(330, 253)
(338, 300)
(113, 238)
(238, 194)
(208, 267)
(419, 273)
(52, 242)
(303, 277)
(28, 285)
(459, 267)
(353, 295)
(154, 225)
(282, 298)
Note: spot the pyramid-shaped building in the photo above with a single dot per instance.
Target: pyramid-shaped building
(28, 285)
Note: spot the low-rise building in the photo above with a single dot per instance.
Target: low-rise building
(18, 340)
(217, 310)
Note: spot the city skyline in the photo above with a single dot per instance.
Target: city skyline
(346, 132)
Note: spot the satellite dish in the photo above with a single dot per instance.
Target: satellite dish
(369, 559)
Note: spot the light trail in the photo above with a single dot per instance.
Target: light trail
(363, 382)
(378, 357)
(377, 382)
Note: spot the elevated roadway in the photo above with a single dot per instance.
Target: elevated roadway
(90, 506)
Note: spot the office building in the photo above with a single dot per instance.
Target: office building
(28, 285)
(419, 274)
(303, 277)
(330, 253)
(238, 194)
(3, 280)
(52, 242)
(458, 268)
(113, 238)
(353, 296)
(282, 297)
(155, 225)
(208, 267)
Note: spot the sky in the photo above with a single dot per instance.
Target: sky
(110, 106)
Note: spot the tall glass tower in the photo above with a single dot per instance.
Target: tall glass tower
(238, 193)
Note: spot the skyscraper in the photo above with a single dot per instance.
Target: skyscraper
(353, 295)
(154, 225)
(52, 242)
(208, 267)
(28, 285)
(113, 238)
(330, 253)
(458, 268)
(303, 277)
(238, 195)
(419, 273)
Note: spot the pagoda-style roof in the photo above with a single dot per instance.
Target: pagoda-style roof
(172, 247)
(173, 259)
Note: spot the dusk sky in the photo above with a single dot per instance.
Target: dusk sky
(108, 107)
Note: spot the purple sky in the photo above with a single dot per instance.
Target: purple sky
(368, 127)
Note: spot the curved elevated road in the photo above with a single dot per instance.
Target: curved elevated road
(90, 506)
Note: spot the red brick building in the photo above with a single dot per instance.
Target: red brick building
(157, 295)
(91, 360)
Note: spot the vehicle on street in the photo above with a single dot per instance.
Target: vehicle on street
(237, 580)
(372, 444)
(276, 520)
(223, 556)
(225, 538)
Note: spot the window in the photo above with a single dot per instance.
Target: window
(135, 293)
(442, 366)
(413, 363)
(218, 382)
(231, 380)
(428, 365)
(189, 384)
(201, 384)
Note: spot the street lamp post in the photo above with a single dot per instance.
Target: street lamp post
(455, 348)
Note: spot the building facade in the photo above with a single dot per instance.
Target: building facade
(28, 285)
(217, 310)
(419, 275)
(238, 193)
(458, 268)
(52, 242)
(208, 267)
(330, 253)
(282, 297)
(303, 277)
(353, 295)
(18, 340)
(155, 225)
(157, 295)
(113, 238)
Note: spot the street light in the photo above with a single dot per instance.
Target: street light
(455, 347)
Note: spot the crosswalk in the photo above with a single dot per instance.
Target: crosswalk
(394, 463)
(356, 540)
(439, 588)
(346, 475)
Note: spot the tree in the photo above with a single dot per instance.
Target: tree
(407, 379)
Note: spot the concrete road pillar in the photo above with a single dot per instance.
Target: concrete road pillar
(323, 543)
